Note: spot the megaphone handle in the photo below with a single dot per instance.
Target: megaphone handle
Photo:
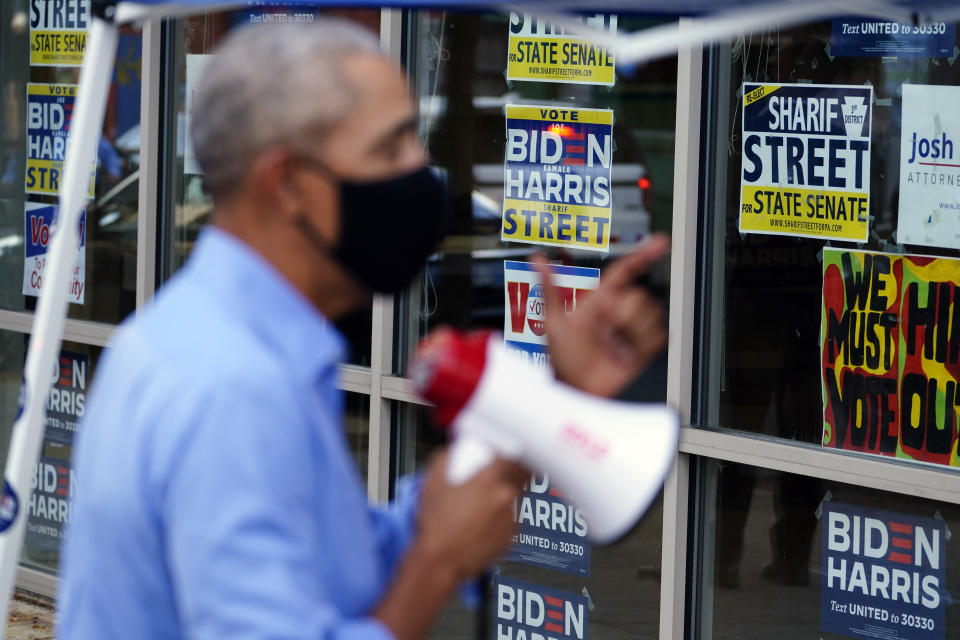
(468, 455)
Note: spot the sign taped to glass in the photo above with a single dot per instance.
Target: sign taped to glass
(543, 52)
(890, 354)
(806, 160)
(556, 186)
(883, 574)
(58, 32)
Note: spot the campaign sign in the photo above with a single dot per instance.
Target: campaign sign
(929, 212)
(49, 113)
(872, 38)
(806, 160)
(883, 574)
(527, 611)
(58, 32)
(556, 185)
(890, 354)
(68, 397)
(524, 323)
(544, 52)
(39, 221)
(53, 486)
(552, 532)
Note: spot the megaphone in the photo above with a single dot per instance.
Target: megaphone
(609, 457)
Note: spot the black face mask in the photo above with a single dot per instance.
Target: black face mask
(388, 228)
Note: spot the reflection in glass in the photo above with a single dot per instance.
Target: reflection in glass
(190, 205)
(54, 482)
(111, 229)
(624, 578)
(764, 566)
(458, 78)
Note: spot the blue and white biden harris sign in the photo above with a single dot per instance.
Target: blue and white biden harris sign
(883, 574)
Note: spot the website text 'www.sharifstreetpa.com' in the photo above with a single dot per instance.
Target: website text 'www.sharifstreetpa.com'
(805, 225)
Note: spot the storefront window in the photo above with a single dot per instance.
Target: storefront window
(496, 129)
(614, 590)
(803, 203)
(790, 556)
(463, 96)
(54, 482)
(38, 84)
(190, 205)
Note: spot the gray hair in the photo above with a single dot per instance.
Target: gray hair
(271, 85)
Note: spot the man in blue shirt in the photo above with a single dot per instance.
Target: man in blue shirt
(219, 499)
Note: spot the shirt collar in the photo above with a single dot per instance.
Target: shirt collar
(276, 310)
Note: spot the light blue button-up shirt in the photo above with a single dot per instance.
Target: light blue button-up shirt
(216, 495)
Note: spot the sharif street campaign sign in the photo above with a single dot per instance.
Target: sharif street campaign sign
(806, 160)
(526, 611)
(890, 354)
(524, 321)
(556, 186)
(58, 32)
(543, 52)
(49, 113)
(883, 574)
(38, 221)
(929, 211)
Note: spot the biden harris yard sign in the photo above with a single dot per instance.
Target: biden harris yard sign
(806, 160)
(883, 574)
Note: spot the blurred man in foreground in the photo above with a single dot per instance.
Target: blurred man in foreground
(219, 498)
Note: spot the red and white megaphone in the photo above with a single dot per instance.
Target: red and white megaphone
(609, 457)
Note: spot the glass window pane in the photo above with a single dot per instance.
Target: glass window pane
(356, 423)
(619, 583)
(768, 311)
(458, 65)
(48, 511)
(782, 556)
(194, 41)
(36, 103)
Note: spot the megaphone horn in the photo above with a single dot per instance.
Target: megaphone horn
(609, 457)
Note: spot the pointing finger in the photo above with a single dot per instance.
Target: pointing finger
(623, 271)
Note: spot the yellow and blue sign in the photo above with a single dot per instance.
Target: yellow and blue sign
(557, 177)
(544, 52)
(58, 32)
(806, 160)
(49, 115)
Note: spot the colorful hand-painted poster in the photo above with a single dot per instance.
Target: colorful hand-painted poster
(544, 52)
(556, 184)
(929, 201)
(890, 354)
(39, 221)
(524, 321)
(58, 32)
(806, 160)
(883, 574)
(523, 610)
(552, 533)
(49, 112)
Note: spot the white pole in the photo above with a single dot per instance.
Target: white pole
(52, 305)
